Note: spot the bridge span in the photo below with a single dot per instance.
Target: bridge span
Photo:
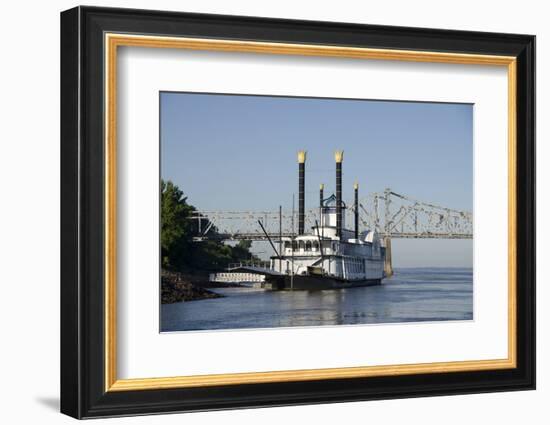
(391, 214)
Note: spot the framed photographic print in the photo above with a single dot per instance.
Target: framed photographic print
(261, 212)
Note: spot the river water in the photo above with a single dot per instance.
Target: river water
(410, 295)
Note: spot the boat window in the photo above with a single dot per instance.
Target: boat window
(300, 245)
(308, 245)
(315, 246)
(294, 245)
(287, 244)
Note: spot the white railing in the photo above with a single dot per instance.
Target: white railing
(236, 277)
(251, 263)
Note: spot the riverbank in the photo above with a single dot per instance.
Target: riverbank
(178, 287)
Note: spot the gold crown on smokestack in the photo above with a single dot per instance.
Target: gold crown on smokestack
(302, 156)
(356, 185)
(339, 156)
(321, 186)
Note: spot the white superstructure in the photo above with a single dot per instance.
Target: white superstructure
(323, 253)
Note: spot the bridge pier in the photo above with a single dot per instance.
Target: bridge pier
(388, 269)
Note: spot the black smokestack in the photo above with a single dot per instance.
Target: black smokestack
(301, 190)
(356, 209)
(321, 196)
(339, 157)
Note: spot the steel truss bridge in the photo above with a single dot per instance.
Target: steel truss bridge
(391, 214)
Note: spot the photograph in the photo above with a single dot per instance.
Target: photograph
(284, 211)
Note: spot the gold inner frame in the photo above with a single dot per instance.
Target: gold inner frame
(113, 41)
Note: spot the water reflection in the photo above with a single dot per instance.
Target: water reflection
(410, 295)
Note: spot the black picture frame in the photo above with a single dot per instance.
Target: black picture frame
(83, 392)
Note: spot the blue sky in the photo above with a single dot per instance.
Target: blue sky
(232, 152)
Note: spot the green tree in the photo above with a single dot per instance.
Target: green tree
(178, 250)
(244, 244)
(241, 251)
(176, 228)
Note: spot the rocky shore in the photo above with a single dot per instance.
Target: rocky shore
(177, 287)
